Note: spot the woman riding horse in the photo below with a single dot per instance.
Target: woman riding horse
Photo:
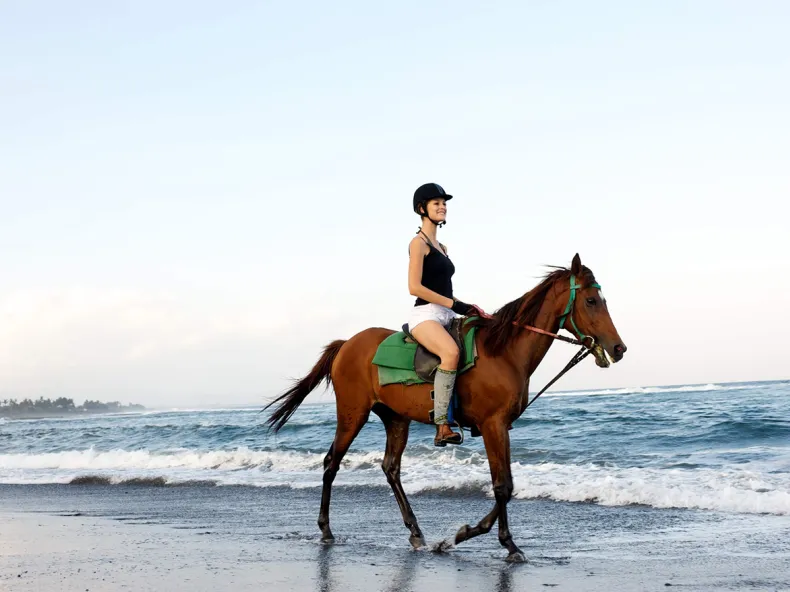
(493, 393)
(430, 280)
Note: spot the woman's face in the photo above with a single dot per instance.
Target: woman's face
(437, 209)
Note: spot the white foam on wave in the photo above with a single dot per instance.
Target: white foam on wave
(745, 488)
(732, 490)
(240, 458)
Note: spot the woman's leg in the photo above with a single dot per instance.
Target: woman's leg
(437, 340)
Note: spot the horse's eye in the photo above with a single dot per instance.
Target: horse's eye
(591, 301)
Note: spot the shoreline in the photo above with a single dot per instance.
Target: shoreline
(70, 415)
(78, 537)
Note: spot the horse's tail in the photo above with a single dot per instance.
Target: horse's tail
(290, 400)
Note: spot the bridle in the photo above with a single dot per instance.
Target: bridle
(568, 314)
(587, 342)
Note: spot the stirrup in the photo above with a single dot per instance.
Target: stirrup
(456, 438)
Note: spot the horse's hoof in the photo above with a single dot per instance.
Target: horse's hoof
(516, 557)
(417, 541)
(327, 538)
(442, 546)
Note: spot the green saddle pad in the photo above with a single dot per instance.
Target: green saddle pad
(395, 358)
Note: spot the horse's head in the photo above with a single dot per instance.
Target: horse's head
(587, 314)
(570, 298)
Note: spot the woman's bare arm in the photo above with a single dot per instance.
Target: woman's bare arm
(417, 252)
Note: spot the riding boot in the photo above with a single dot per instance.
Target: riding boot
(443, 384)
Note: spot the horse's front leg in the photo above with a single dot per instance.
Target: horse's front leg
(467, 532)
(497, 443)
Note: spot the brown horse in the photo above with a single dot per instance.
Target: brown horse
(493, 394)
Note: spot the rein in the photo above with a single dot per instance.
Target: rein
(585, 350)
(550, 334)
(580, 355)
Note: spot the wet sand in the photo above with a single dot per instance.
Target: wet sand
(237, 538)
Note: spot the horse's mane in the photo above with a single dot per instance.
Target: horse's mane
(500, 329)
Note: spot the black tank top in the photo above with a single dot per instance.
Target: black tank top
(437, 273)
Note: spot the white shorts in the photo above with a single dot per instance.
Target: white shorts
(430, 312)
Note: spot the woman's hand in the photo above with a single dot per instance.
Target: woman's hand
(480, 312)
(468, 310)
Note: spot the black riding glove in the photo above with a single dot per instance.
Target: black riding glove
(462, 308)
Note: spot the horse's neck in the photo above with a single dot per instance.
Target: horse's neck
(530, 348)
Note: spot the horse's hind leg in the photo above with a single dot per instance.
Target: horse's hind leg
(349, 422)
(397, 428)
(328, 457)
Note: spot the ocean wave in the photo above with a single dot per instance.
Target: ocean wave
(747, 488)
(137, 481)
(646, 390)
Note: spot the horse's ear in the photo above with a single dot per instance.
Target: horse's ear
(576, 265)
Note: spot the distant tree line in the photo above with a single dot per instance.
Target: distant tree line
(42, 407)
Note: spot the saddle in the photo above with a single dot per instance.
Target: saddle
(426, 362)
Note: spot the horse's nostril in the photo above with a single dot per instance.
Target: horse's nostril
(620, 349)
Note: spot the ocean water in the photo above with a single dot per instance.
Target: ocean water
(718, 447)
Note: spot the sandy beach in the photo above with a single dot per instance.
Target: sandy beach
(127, 537)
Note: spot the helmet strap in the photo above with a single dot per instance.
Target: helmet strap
(425, 215)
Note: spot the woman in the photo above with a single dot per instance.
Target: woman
(430, 280)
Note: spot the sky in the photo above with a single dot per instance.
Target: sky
(195, 197)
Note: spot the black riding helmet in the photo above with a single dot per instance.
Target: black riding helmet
(426, 193)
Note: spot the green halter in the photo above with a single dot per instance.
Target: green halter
(569, 309)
